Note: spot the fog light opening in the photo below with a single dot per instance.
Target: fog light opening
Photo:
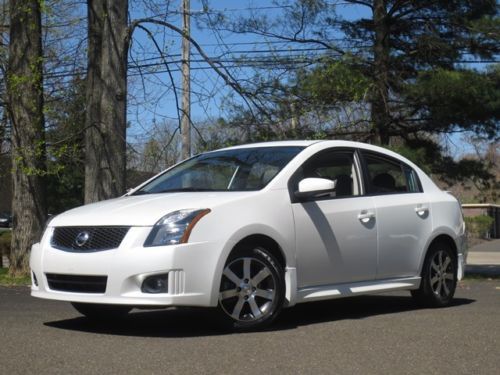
(35, 280)
(155, 284)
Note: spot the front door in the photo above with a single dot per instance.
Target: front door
(336, 234)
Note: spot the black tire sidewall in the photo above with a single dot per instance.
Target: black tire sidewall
(264, 256)
(427, 295)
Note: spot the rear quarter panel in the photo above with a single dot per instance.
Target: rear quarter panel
(447, 220)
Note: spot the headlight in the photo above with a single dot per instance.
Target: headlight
(175, 227)
(47, 222)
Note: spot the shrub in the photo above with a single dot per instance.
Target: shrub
(479, 226)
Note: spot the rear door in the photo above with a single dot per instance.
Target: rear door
(336, 234)
(402, 210)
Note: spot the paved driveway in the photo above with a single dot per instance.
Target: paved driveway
(484, 258)
(363, 335)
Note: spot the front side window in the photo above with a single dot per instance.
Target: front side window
(386, 176)
(333, 165)
(244, 169)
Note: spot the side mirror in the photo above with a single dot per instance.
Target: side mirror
(314, 187)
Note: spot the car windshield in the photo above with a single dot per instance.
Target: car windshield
(243, 169)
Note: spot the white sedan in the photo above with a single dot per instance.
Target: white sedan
(255, 228)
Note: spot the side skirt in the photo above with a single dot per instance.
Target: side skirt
(355, 289)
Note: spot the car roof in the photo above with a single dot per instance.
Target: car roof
(321, 143)
(304, 143)
(291, 143)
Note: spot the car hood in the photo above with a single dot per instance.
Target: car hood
(142, 210)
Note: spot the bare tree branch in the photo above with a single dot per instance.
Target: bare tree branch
(217, 67)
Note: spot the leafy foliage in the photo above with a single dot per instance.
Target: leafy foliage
(402, 74)
(333, 81)
(446, 100)
(479, 226)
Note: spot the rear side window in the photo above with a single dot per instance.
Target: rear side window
(412, 179)
(388, 176)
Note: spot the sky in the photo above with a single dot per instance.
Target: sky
(151, 99)
(208, 103)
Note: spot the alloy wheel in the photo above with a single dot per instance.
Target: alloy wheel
(248, 289)
(442, 274)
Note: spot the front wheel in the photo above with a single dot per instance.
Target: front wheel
(439, 277)
(97, 311)
(252, 289)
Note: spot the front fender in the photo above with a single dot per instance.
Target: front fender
(257, 229)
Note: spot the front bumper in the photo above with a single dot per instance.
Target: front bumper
(191, 268)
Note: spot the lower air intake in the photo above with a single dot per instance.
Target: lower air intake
(77, 283)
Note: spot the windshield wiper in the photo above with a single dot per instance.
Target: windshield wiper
(140, 192)
(185, 189)
(176, 190)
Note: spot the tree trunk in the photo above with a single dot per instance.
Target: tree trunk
(186, 82)
(380, 114)
(25, 95)
(106, 121)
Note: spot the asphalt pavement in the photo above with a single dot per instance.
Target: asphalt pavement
(384, 334)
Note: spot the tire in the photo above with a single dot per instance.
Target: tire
(252, 289)
(439, 277)
(101, 312)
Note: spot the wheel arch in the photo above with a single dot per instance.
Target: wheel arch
(262, 240)
(260, 235)
(289, 271)
(441, 237)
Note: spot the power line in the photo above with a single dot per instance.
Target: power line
(242, 52)
(232, 64)
(222, 10)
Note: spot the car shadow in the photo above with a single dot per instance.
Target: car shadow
(352, 308)
(195, 322)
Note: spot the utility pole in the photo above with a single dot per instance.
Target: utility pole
(186, 89)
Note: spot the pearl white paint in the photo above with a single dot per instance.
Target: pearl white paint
(333, 248)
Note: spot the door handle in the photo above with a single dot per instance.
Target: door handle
(365, 216)
(421, 210)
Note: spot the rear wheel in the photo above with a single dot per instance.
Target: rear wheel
(439, 277)
(252, 289)
(96, 311)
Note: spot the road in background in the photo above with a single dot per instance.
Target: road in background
(484, 259)
(384, 334)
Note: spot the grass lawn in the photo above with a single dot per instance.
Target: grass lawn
(5, 279)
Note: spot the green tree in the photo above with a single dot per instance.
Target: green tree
(403, 73)
(394, 51)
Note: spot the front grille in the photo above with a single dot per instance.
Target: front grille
(88, 238)
(77, 283)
